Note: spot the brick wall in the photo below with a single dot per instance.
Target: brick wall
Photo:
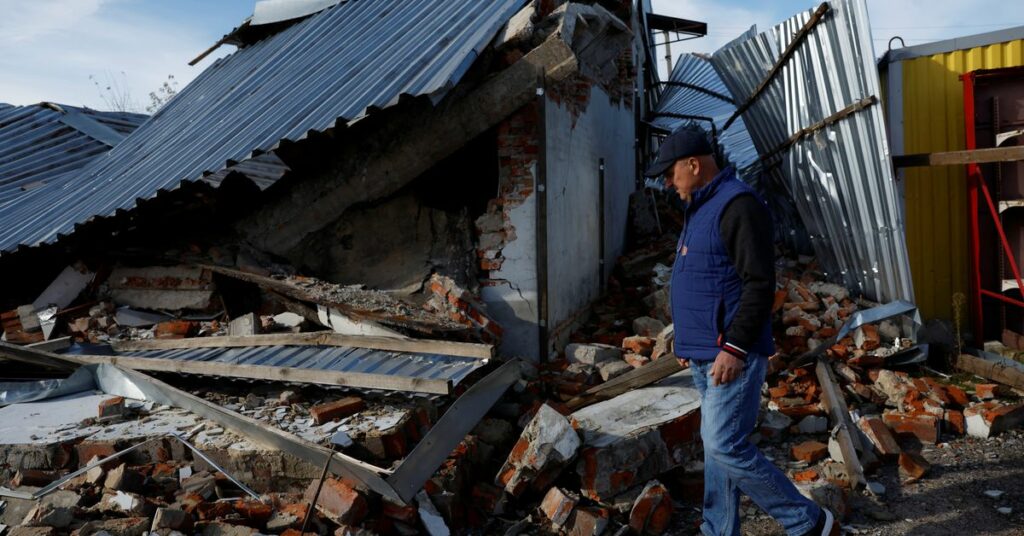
(518, 143)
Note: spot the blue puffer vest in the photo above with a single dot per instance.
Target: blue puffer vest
(705, 288)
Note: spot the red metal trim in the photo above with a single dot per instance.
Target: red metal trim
(973, 179)
(975, 185)
(1000, 297)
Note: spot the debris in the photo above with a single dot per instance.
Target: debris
(340, 501)
(994, 494)
(652, 511)
(338, 409)
(170, 288)
(878, 433)
(171, 518)
(648, 327)
(991, 418)
(558, 504)
(547, 444)
(431, 518)
(592, 354)
(812, 424)
(913, 465)
(809, 451)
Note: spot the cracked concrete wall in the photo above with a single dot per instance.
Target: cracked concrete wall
(577, 139)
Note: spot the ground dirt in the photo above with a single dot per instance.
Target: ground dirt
(950, 499)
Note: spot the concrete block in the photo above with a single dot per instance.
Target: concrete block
(636, 436)
(612, 369)
(591, 354)
(127, 526)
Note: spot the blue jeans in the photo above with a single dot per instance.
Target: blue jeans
(733, 464)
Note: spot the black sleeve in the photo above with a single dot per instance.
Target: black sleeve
(746, 229)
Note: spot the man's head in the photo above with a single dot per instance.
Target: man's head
(685, 158)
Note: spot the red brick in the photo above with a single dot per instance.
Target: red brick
(878, 433)
(111, 407)
(638, 344)
(779, 392)
(176, 329)
(922, 426)
(652, 510)
(558, 505)
(988, 391)
(957, 395)
(208, 511)
(810, 451)
(636, 360)
(589, 521)
(953, 421)
(871, 338)
(340, 501)
(256, 512)
(32, 477)
(87, 449)
(913, 465)
(338, 409)
(406, 514)
(809, 475)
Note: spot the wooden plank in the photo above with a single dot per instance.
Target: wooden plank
(318, 338)
(634, 379)
(51, 345)
(991, 370)
(956, 158)
(285, 374)
(35, 356)
(849, 443)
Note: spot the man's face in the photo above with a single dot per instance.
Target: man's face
(684, 176)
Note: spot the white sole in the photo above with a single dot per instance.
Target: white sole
(829, 521)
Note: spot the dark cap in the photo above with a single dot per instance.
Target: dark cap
(683, 143)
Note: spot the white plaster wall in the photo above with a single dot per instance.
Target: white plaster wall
(604, 130)
(511, 292)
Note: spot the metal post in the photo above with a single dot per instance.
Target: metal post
(973, 178)
(668, 52)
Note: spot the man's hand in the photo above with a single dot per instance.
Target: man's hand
(683, 362)
(726, 368)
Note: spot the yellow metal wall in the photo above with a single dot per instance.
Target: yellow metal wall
(936, 197)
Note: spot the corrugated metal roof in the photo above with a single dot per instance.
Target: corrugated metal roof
(695, 89)
(41, 142)
(840, 177)
(324, 71)
(329, 358)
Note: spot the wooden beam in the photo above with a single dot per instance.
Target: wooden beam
(828, 121)
(634, 379)
(283, 374)
(956, 158)
(35, 356)
(849, 442)
(991, 370)
(319, 338)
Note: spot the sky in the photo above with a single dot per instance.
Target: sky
(70, 51)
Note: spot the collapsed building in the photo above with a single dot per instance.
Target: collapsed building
(406, 246)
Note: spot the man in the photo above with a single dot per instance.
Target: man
(722, 289)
